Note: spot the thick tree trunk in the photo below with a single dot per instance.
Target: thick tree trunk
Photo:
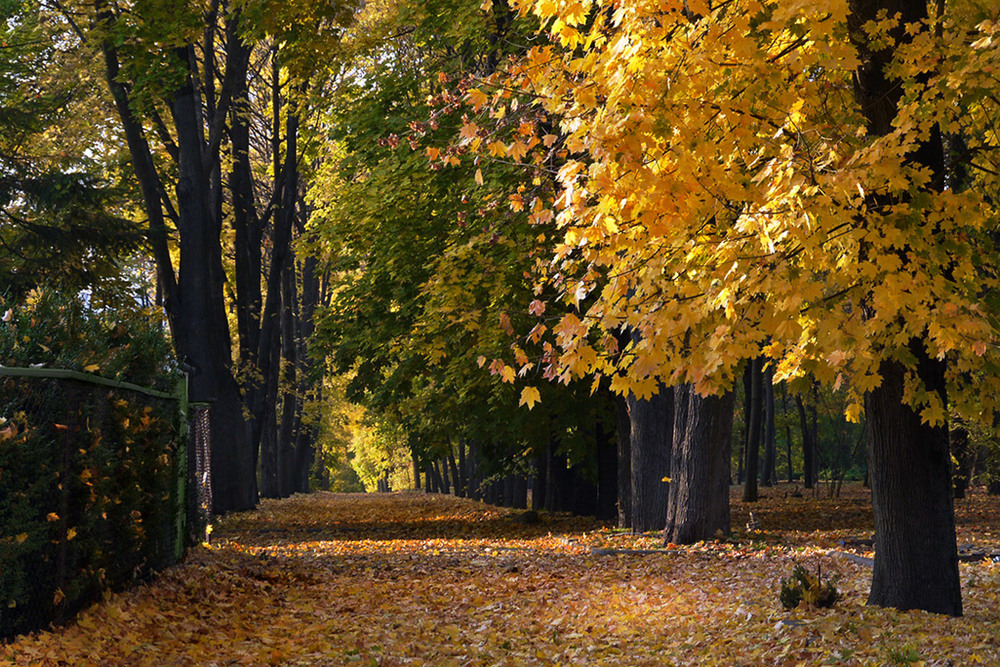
(202, 332)
(755, 410)
(699, 479)
(623, 439)
(916, 558)
(651, 424)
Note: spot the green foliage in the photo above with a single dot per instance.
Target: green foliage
(88, 475)
(59, 223)
(121, 340)
(804, 587)
(432, 269)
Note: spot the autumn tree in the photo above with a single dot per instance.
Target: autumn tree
(735, 186)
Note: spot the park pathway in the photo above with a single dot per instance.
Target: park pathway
(415, 579)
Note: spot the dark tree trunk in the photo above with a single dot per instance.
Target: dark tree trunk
(202, 332)
(651, 428)
(808, 446)
(416, 471)
(623, 439)
(964, 459)
(290, 406)
(445, 481)
(267, 425)
(769, 475)
(432, 486)
(916, 556)
(456, 482)
(788, 433)
(788, 453)
(463, 471)
(755, 413)
(310, 388)
(699, 479)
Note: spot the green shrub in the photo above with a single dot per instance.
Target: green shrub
(88, 473)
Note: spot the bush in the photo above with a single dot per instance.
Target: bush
(88, 473)
(124, 342)
(804, 587)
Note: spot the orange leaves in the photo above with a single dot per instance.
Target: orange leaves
(413, 578)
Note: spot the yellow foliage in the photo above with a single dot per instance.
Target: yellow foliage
(722, 176)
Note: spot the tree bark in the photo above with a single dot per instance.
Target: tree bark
(769, 475)
(754, 409)
(699, 479)
(202, 332)
(964, 460)
(651, 436)
(916, 556)
(808, 445)
(623, 438)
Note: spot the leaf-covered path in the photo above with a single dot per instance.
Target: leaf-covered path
(414, 579)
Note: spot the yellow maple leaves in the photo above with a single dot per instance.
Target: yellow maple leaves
(716, 195)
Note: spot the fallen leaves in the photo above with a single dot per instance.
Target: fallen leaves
(415, 579)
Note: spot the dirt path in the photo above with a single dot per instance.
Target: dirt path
(413, 579)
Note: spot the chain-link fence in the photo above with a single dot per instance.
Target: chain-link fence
(94, 479)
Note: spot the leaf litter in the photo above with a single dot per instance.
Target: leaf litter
(422, 579)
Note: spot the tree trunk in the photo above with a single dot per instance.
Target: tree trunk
(623, 438)
(456, 481)
(310, 388)
(699, 478)
(290, 399)
(755, 410)
(202, 331)
(964, 460)
(651, 429)
(463, 472)
(769, 475)
(916, 557)
(808, 446)
(441, 466)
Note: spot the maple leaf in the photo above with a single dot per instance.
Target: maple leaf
(529, 396)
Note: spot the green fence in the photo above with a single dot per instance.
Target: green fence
(94, 480)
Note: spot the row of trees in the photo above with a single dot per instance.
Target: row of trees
(549, 239)
(664, 200)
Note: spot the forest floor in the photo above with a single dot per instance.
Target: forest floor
(420, 579)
